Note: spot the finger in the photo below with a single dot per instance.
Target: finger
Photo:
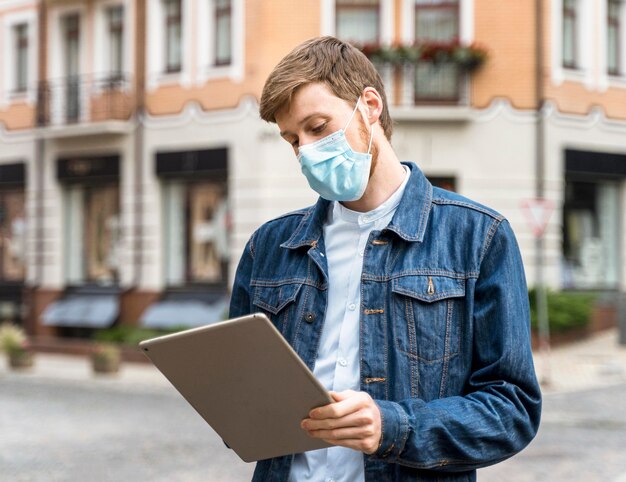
(355, 433)
(355, 419)
(351, 403)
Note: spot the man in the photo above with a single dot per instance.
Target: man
(408, 302)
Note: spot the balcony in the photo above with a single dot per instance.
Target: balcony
(427, 81)
(84, 105)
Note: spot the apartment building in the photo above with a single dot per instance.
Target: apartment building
(134, 166)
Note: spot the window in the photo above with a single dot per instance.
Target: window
(591, 234)
(444, 182)
(358, 21)
(436, 20)
(115, 20)
(93, 234)
(199, 211)
(12, 235)
(570, 33)
(71, 29)
(21, 57)
(173, 35)
(614, 41)
(223, 32)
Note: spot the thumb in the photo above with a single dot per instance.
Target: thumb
(340, 396)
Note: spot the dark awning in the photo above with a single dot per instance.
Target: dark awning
(83, 310)
(184, 313)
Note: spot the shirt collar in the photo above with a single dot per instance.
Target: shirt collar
(409, 221)
(338, 210)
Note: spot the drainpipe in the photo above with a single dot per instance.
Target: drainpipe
(540, 288)
(37, 172)
(140, 42)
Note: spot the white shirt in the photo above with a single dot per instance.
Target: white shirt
(337, 365)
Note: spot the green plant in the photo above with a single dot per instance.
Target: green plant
(468, 57)
(567, 310)
(106, 352)
(127, 335)
(13, 339)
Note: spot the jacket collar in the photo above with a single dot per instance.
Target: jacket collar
(411, 217)
(409, 221)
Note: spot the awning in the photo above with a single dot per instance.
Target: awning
(184, 313)
(81, 310)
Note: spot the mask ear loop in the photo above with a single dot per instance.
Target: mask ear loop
(369, 147)
(352, 115)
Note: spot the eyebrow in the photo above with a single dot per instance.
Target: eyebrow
(313, 114)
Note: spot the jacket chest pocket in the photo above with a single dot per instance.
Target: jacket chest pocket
(427, 312)
(277, 301)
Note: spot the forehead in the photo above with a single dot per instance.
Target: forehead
(309, 99)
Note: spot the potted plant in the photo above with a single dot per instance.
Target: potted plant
(14, 343)
(106, 358)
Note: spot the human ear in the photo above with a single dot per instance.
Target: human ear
(373, 102)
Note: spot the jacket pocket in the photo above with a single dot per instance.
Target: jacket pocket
(427, 312)
(277, 300)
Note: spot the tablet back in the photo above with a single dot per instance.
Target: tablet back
(246, 381)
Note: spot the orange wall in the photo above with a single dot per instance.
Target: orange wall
(271, 31)
(508, 32)
(18, 116)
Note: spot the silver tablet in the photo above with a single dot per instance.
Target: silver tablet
(246, 381)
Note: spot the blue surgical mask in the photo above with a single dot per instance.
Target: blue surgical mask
(333, 169)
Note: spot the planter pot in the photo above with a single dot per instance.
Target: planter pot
(105, 365)
(21, 360)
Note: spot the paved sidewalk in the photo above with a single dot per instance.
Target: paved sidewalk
(593, 362)
(598, 361)
(75, 368)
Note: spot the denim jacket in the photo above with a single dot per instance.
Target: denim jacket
(444, 329)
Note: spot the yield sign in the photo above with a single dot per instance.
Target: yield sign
(537, 213)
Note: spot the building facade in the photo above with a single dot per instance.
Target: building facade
(134, 165)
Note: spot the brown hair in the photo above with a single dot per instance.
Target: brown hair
(342, 67)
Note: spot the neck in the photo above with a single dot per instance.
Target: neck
(386, 177)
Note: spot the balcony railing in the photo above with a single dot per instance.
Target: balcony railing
(83, 99)
(427, 72)
(425, 83)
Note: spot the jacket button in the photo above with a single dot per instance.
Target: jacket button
(309, 317)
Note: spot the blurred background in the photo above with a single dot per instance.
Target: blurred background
(134, 165)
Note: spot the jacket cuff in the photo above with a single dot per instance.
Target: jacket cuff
(394, 430)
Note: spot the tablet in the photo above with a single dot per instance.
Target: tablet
(246, 381)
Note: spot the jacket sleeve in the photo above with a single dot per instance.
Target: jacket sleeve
(500, 410)
(240, 300)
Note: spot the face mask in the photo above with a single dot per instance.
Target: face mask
(333, 169)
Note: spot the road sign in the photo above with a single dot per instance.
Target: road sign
(537, 213)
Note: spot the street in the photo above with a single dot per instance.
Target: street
(70, 430)
(67, 431)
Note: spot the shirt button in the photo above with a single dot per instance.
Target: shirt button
(361, 253)
(352, 307)
(343, 362)
(309, 317)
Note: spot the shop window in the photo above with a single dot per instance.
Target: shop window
(92, 234)
(12, 235)
(448, 183)
(358, 21)
(199, 211)
(591, 235)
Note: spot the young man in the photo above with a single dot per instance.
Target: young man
(408, 302)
